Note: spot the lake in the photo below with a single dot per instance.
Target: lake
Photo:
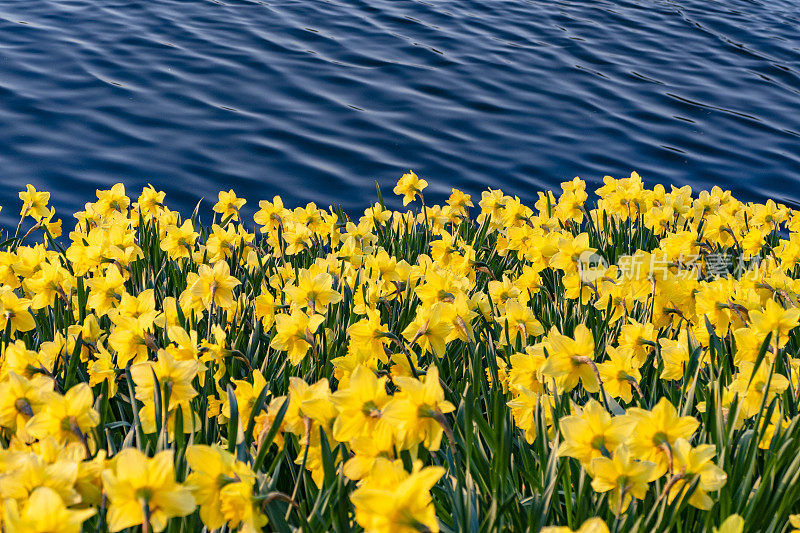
(317, 100)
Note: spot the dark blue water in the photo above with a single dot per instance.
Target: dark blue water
(315, 100)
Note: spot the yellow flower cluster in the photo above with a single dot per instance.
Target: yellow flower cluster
(623, 366)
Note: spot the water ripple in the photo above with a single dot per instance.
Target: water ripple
(317, 100)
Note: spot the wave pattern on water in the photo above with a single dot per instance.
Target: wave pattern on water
(315, 100)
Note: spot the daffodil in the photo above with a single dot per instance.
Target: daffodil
(675, 354)
(690, 463)
(294, 334)
(625, 478)
(794, 520)
(313, 291)
(112, 200)
(418, 410)
(409, 186)
(526, 369)
(297, 238)
(51, 282)
(756, 385)
(34, 203)
(179, 241)
(106, 290)
(130, 342)
(430, 329)
(223, 489)
(527, 408)
(44, 512)
(592, 432)
(656, 432)
(150, 201)
(639, 339)
(620, 374)
(229, 205)
(369, 334)
(16, 315)
(174, 378)
(21, 399)
(518, 322)
(360, 409)
(246, 394)
(393, 500)
(68, 418)
(142, 489)
(774, 319)
(571, 359)
(215, 285)
(570, 252)
(271, 214)
(140, 327)
(222, 243)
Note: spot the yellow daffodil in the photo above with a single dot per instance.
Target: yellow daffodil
(409, 186)
(68, 418)
(624, 477)
(229, 205)
(142, 489)
(44, 512)
(393, 500)
(223, 489)
(592, 432)
(656, 432)
(418, 410)
(313, 291)
(360, 408)
(690, 463)
(34, 203)
(215, 285)
(295, 334)
(571, 360)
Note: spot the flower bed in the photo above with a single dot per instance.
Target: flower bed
(627, 367)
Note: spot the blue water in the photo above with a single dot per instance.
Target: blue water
(316, 100)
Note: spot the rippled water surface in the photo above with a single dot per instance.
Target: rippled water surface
(315, 100)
